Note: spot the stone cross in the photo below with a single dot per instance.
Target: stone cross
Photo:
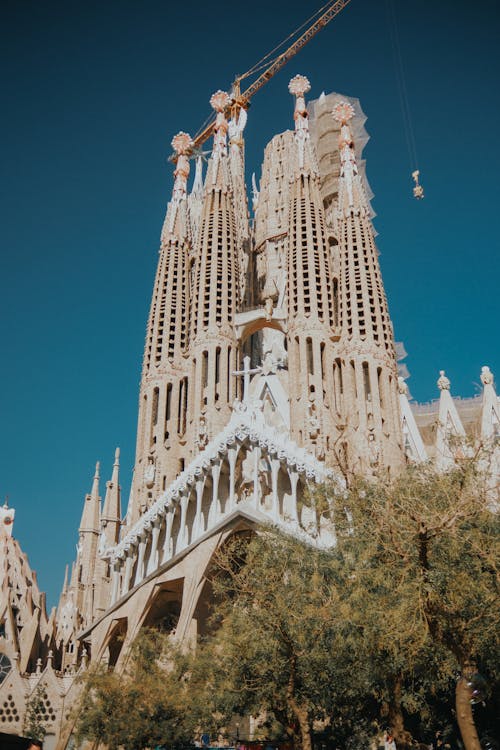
(246, 372)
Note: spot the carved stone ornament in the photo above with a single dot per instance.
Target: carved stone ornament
(299, 85)
(443, 382)
(343, 112)
(486, 375)
(219, 101)
(149, 472)
(402, 387)
(182, 143)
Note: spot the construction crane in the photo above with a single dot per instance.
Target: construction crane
(241, 100)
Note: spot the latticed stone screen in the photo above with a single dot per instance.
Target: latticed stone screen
(8, 711)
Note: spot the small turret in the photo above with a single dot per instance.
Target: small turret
(6, 519)
(111, 510)
(91, 507)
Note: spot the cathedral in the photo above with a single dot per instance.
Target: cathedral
(269, 366)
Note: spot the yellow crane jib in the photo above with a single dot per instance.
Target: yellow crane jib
(242, 99)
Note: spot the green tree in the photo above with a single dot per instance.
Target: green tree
(34, 723)
(141, 708)
(423, 550)
(283, 649)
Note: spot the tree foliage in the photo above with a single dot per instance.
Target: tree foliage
(335, 643)
(142, 707)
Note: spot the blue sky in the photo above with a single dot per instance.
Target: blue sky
(92, 95)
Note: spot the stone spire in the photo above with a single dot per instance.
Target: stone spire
(109, 537)
(216, 290)
(111, 510)
(236, 126)
(412, 441)
(92, 507)
(450, 431)
(81, 585)
(490, 415)
(164, 386)
(367, 367)
(311, 320)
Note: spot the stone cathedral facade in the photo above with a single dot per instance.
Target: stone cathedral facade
(269, 365)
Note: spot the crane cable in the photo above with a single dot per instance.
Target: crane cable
(404, 100)
(264, 61)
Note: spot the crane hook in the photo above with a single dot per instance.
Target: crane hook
(418, 191)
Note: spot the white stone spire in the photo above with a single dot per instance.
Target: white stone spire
(91, 508)
(412, 440)
(219, 101)
(298, 87)
(352, 197)
(449, 426)
(182, 145)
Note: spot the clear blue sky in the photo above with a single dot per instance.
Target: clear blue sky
(93, 93)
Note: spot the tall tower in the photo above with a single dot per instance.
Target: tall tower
(311, 304)
(110, 522)
(82, 578)
(366, 372)
(216, 291)
(164, 391)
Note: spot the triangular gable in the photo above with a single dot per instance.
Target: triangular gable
(268, 388)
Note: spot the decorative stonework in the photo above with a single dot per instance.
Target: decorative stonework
(299, 85)
(443, 382)
(343, 112)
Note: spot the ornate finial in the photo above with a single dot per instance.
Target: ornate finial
(219, 101)
(486, 375)
(343, 112)
(443, 382)
(50, 656)
(299, 85)
(402, 387)
(38, 666)
(6, 519)
(182, 143)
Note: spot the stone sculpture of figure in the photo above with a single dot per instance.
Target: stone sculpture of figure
(443, 383)
(202, 438)
(402, 387)
(269, 306)
(150, 472)
(247, 475)
(313, 422)
(486, 375)
(373, 450)
(102, 543)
